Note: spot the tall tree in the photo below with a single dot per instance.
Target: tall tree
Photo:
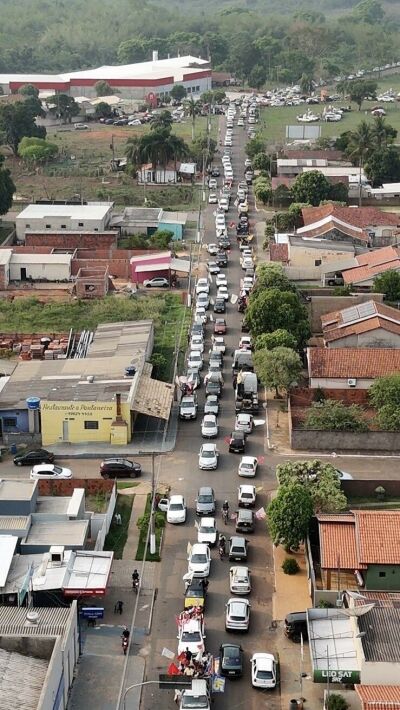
(160, 121)
(322, 480)
(103, 88)
(178, 92)
(192, 108)
(7, 188)
(272, 309)
(382, 133)
(29, 90)
(277, 369)
(18, 120)
(289, 515)
(312, 187)
(360, 88)
(63, 107)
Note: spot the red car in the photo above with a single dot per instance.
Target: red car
(220, 326)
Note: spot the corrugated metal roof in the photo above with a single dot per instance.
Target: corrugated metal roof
(13, 522)
(153, 398)
(51, 621)
(21, 680)
(381, 643)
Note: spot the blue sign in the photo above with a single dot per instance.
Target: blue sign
(92, 612)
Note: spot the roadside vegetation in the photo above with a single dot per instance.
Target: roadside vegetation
(143, 525)
(118, 534)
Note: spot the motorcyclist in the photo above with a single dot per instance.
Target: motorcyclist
(135, 578)
(222, 542)
(125, 634)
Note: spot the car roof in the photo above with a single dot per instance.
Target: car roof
(191, 625)
(240, 571)
(265, 661)
(236, 434)
(237, 540)
(208, 447)
(235, 603)
(243, 415)
(207, 521)
(199, 547)
(243, 513)
(210, 417)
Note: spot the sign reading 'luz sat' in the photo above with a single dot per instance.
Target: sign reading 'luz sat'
(77, 408)
(336, 676)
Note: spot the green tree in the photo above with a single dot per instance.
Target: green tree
(388, 417)
(133, 50)
(388, 284)
(277, 369)
(320, 479)
(254, 146)
(306, 83)
(36, 150)
(103, 110)
(178, 92)
(161, 238)
(192, 108)
(289, 515)
(277, 339)
(203, 146)
(339, 192)
(336, 701)
(7, 188)
(296, 211)
(311, 187)
(333, 415)
(261, 161)
(29, 90)
(369, 11)
(385, 391)
(262, 190)
(103, 88)
(257, 76)
(360, 144)
(63, 107)
(271, 275)
(272, 309)
(162, 120)
(18, 120)
(383, 165)
(382, 133)
(360, 88)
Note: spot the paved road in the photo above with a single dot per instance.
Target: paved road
(184, 477)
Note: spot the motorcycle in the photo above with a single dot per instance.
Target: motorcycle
(124, 644)
(135, 585)
(221, 549)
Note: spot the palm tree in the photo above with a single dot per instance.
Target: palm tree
(161, 121)
(133, 150)
(192, 108)
(360, 145)
(177, 148)
(382, 133)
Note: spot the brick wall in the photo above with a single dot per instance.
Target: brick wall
(118, 268)
(92, 486)
(72, 240)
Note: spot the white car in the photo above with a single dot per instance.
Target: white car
(213, 268)
(219, 344)
(211, 405)
(221, 280)
(240, 122)
(203, 299)
(239, 580)
(197, 343)
(195, 360)
(191, 636)
(208, 457)
(212, 249)
(176, 511)
(223, 293)
(212, 198)
(207, 531)
(202, 286)
(247, 163)
(49, 470)
(245, 342)
(212, 184)
(248, 466)
(200, 314)
(209, 426)
(199, 560)
(237, 617)
(247, 263)
(244, 422)
(263, 670)
(223, 204)
(220, 221)
(247, 496)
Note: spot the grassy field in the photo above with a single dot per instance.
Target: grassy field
(273, 120)
(83, 168)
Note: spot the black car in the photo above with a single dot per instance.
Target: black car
(32, 458)
(215, 172)
(237, 442)
(221, 258)
(224, 244)
(213, 387)
(231, 660)
(120, 468)
(296, 626)
(219, 305)
(244, 521)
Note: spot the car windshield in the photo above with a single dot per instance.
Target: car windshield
(208, 454)
(232, 656)
(237, 548)
(198, 701)
(187, 405)
(191, 636)
(205, 499)
(199, 559)
(247, 495)
(265, 675)
(207, 529)
(56, 469)
(247, 466)
(176, 506)
(209, 425)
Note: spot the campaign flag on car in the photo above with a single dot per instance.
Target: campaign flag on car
(260, 514)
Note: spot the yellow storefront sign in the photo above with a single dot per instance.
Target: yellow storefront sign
(82, 422)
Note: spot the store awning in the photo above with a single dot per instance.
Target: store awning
(153, 398)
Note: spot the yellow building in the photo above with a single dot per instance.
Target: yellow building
(91, 399)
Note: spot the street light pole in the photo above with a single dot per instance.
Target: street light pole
(152, 513)
(145, 682)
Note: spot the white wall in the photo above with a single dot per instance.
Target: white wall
(379, 673)
(338, 383)
(51, 272)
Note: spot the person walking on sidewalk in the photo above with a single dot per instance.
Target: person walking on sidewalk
(119, 607)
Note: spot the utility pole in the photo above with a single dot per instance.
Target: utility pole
(152, 514)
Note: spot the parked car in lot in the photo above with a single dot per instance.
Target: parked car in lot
(176, 512)
(120, 468)
(237, 549)
(157, 282)
(244, 521)
(231, 660)
(237, 442)
(212, 249)
(248, 466)
(237, 616)
(199, 560)
(239, 580)
(49, 470)
(208, 457)
(30, 458)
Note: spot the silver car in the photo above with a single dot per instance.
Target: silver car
(237, 617)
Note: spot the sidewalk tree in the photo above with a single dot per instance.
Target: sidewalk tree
(272, 309)
(262, 190)
(261, 161)
(333, 415)
(321, 480)
(254, 146)
(271, 275)
(277, 369)
(383, 165)
(289, 515)
(7, 188)
(388, 284)
(276, 339)
(311, 187)
(388, 417)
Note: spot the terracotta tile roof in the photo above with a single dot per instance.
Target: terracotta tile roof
(362, 363)
(378, 536)
(338, 542)
(356, 216)
(359, 274)
(279, 252)
(360, 538)
(321, 229)
(336, 325)
(337, 317)
(379, 697)
(379, 256)
(332, 334)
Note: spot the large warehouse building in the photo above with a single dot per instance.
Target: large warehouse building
(144, 80)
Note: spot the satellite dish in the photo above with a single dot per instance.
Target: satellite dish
(358, 610)
(355, 595)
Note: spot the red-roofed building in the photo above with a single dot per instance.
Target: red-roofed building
(367, 325)
(373, 226)
(362, 541)
(350, 368)
(363, 269)
(379, 697)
